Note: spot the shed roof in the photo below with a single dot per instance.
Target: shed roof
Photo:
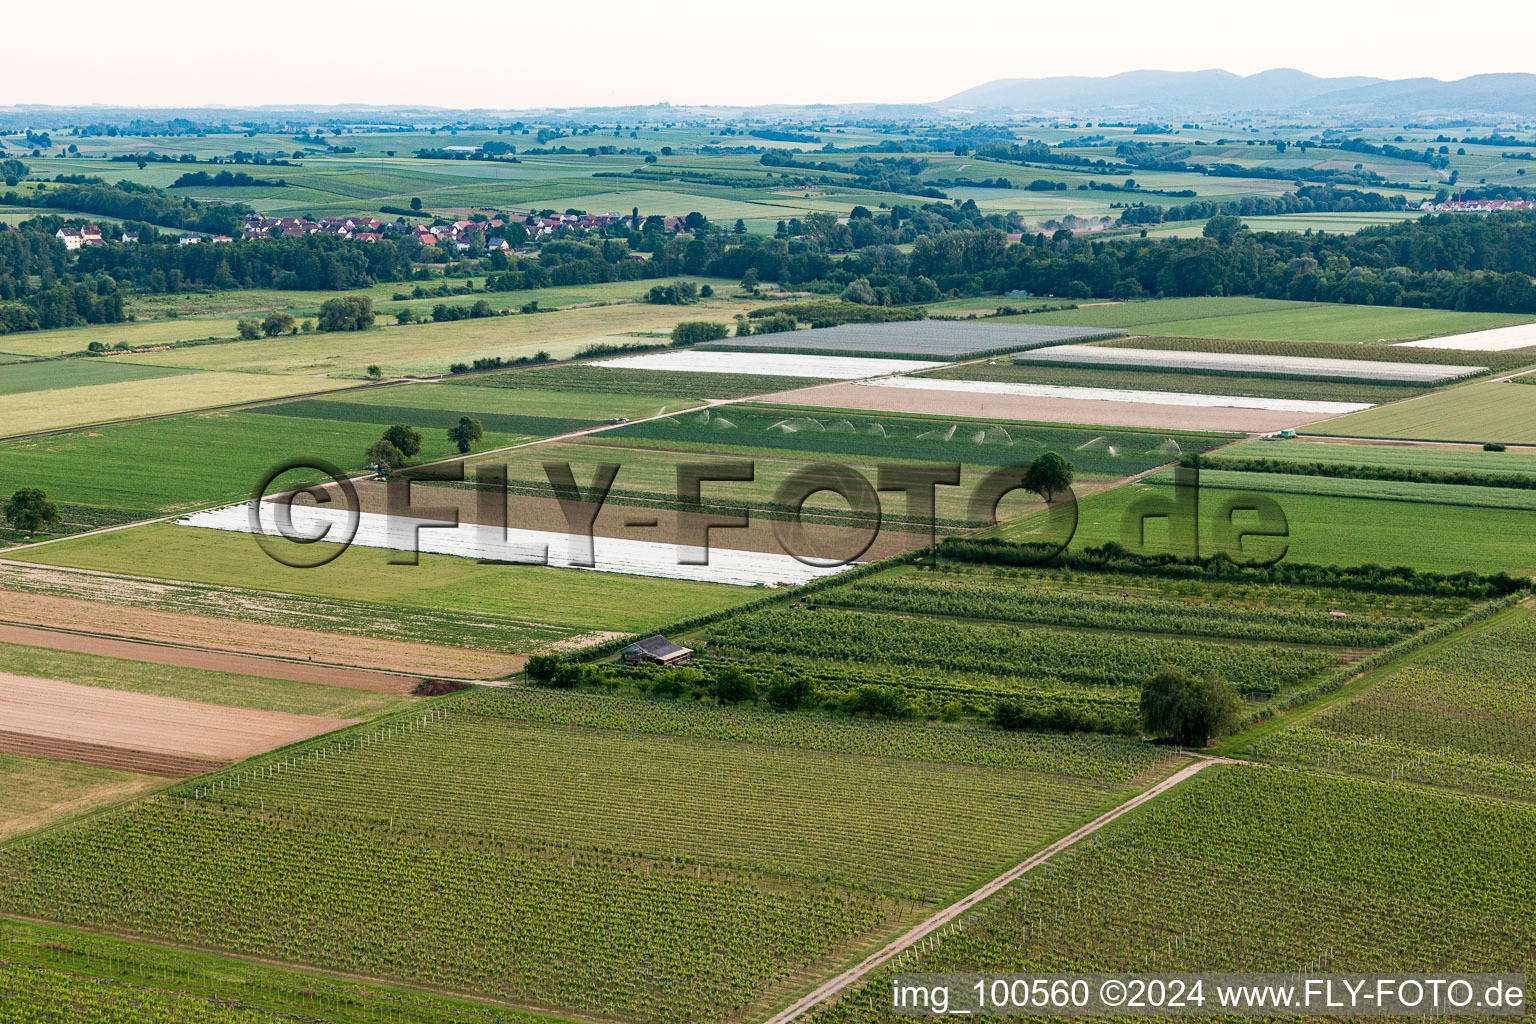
(658, 647)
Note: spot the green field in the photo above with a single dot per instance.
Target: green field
(74, 373)
(593, 870)
(1245, 319)
(1487, 411)
(811, 433)
(622, 380)
(183, 462)
(519, 401)
(1442, 494)
(526, 596)
(1462, 716)
(1396, 456)
(1331, 530)
(1253, 869)
(47, 970)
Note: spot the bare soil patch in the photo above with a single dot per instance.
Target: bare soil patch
(1041, 410)
(218, 661)
(51, 709)
(253, 638)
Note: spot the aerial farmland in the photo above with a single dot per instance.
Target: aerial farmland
(501, 562)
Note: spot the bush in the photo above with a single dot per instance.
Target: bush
(1492, 446)
(382, 453)
(732, 686)
(878, 702)
(692, 332)
(248, 329)
(677, 293)
(552, 671)
(788, 693)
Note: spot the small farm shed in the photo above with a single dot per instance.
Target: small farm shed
(657, 650)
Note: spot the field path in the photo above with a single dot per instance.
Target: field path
(829, 989)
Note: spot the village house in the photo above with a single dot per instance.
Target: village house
(130, 238)
(71, 237)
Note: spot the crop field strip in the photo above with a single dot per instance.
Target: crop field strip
(1462, 716)
(1475, 413)
(1245, 363)
(767, 364)
(946, 340)
(604, 379)
(1246, 318)
(976, 664)
(1363, 489)
(1374, 393)
(1110, 453)
(1245, 868)
(761, 909)
(1495, 362)
(527, 608)
(1303, 409)
(186, 461)
(1337, 529)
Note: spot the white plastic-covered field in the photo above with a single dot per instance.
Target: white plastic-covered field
(535, 547)
(994, 387)
(769, 364)
(1499, 339)
(1241, 362)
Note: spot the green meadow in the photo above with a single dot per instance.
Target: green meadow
(1327, 529)
(1486, 411)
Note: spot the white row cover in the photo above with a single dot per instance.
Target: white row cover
(769, 364)
(1297, 366)
(992, 387)
(1499, 339)
(537, 547)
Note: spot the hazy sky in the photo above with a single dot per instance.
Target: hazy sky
(510, 54)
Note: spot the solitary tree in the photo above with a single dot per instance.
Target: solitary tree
(416, 204)
(375, 371)
(1191, 711)
(277, 323)
(404, 437)
(29, 509)
(749, 280)
(248, 329)
(1049, 475)
(465, 433)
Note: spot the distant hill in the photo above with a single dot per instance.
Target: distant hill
(1185, 94)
